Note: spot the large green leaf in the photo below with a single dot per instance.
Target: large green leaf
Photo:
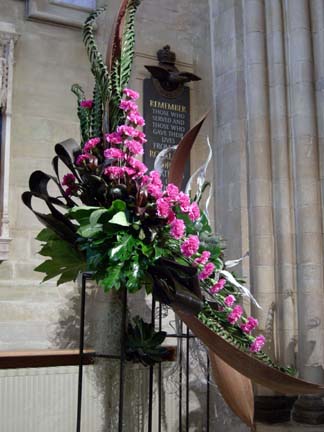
(120, 219)
(124, 249)
(113, 277)
(79, 213)
(96, 215)
(65, 260)
(46, 234)
(88, 231)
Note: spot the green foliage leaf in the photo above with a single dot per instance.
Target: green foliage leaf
(124, 249)
(113, 277)
(83, 113)
(88, 231)
(98, 68)
(65, 260)
(96, 215)
(122, 67)
(46, 235)
(144, 343)
(97, 112)
(119, 219)
(80, 213)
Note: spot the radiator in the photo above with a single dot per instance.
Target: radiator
(45, 400)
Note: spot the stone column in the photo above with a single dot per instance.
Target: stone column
(259, 174)
(281, 185)
(308, 211)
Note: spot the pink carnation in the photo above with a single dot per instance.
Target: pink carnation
(134, 147)
(90, 144)
(257, 344)
(172, 191)
(229, 300)
(155, 191)
(171, 216)
(114, 172)
(126, 130)
(130, 171)
(155, 178)
(162, 207)
(114, 153)
(114, 138)
(70, 191)
(131, 94)
(249, 325)
(204, 257)
(82, 158)
(207, 271)
(127, 105)
(145, 180)
(135, 118)
(183, 201)
(139, 166)
(68, 180)
(177, 228)
(194, 212)
(235, 315)
(140, 136)
(218, 286)
(88, 103)
(190, 246)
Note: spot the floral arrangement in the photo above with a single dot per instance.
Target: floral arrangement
(141, 222)
(119, 222)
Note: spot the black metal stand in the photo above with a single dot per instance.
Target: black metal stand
(183, 363)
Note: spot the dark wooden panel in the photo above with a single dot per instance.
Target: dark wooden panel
(43, 358)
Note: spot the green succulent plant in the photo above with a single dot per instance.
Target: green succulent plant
(144, 343)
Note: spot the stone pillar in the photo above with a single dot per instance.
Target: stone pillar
(308, 210)
(281, 186)
(258, 161)
(229, 150)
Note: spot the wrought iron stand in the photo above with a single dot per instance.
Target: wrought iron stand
(183, 421)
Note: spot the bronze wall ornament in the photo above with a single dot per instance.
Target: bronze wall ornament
(167, 76)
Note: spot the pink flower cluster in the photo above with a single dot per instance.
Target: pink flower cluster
(153, 184)
(82, 158)
(257, 344)
(177, 228)
(229, 300)
(218, 286)
(235, 315)
(206, 271)
(203, 258)
(91, 144)
(173, 197)
(126, 142)
(87, 152)
(250, 325)
(69, 181)
(87, 103)
(190, 246)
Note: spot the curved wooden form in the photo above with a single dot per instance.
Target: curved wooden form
(246, 364)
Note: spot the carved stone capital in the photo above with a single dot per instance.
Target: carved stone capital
(8, 37)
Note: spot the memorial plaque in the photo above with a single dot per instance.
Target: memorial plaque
(167, 120)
